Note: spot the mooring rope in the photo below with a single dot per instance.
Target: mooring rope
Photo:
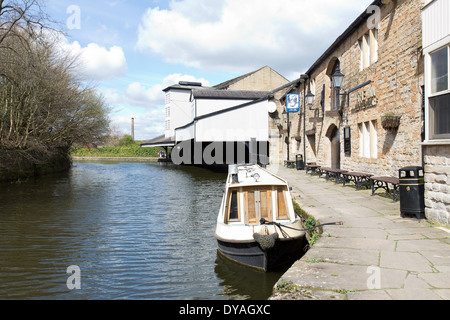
(279, 225)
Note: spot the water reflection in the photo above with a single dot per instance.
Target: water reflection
(136, 230)
(240, 282)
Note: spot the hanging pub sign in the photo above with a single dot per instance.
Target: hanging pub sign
(293, 102)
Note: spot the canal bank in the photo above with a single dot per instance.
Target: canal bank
(374, 255)
(125, 159)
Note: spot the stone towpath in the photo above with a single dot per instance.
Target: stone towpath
(374, 255)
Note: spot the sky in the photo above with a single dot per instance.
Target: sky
(131, 50)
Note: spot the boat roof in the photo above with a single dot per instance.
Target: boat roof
(254, 175)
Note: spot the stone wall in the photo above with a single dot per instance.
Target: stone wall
(437, 183)
(264, 79)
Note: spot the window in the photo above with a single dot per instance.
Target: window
(347, 141)
(439, 70)
(368, 139)
(167, 97)
(439, 100)
(368, 46)
(440, 117)
(365, 52)
(233, 207)
(373, 34)
(334, 97)
(312, 86)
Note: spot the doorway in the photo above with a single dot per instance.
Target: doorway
(335, 143)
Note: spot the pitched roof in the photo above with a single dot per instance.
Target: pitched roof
(225, 85)
(228, 94)
(185, 87)
(355, 25)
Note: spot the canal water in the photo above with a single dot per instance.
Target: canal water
(134, 230)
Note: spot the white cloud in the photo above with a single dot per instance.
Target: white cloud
(140, 95)
(145, 104)
(147, 125)
(99, 63)
(238, 35)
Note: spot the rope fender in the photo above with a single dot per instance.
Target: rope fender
(267, 242)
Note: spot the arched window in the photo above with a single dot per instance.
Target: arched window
(333, 65)
(335, 103)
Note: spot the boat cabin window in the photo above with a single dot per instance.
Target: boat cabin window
(255, 204)
(233, 207)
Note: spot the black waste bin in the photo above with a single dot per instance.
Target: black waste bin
(299, 162)
(412, 192)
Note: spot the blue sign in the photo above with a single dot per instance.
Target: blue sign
(293, 102)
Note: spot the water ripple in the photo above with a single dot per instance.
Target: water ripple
(136, 230)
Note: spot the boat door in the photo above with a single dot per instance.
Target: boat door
(258, 204)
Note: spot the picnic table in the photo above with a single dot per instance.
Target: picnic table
(359, 179)
(383, 183)
(312, 167)
(337, 174)
(289, 163)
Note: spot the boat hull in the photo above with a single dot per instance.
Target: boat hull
(250, 254)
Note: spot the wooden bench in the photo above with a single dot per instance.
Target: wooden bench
(312, 167)
(337, 174)
(359, 179)
(383, 182)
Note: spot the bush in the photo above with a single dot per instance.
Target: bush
(127, 140)
(131, 150)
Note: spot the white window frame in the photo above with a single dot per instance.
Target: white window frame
(430, 136)
(368, 46)
(368, 139)
(437, 93)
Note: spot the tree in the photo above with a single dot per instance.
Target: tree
(18, 17)
(44, 107)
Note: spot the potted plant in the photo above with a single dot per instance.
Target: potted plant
(390, 121)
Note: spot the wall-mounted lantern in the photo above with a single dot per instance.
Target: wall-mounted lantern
(310, 97)
(338, 78)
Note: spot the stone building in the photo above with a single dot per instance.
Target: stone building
(436, 46)
(263, 79)
(374, 123)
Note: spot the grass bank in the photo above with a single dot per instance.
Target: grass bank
(127, 151)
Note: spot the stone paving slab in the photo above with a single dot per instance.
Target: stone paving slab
(410, 261)
(344, 256)
(375, 255)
